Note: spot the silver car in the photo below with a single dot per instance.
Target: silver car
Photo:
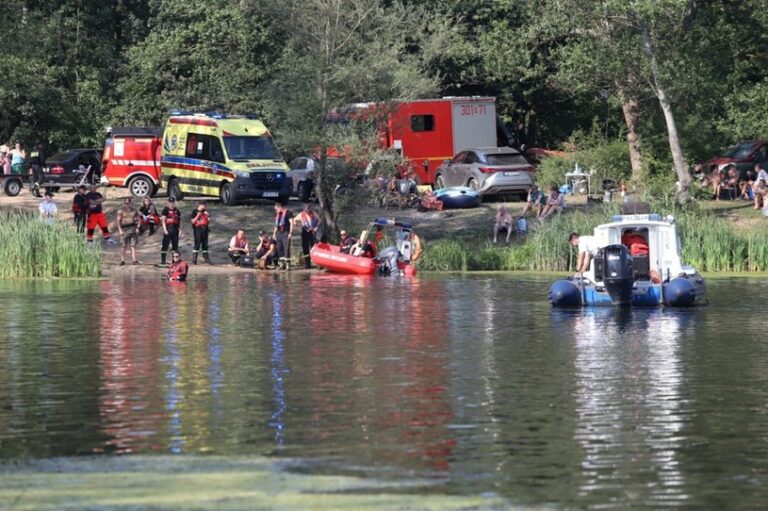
(487, 170)
(302, 174)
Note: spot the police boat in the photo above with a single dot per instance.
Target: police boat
(615, 277)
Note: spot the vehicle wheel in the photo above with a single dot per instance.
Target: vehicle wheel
(174, 190)
(439, 182)
(302, 191)
(141, 186)
(472, 185)
(226, 196)
(12, 187)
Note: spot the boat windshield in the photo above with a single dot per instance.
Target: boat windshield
(252, 148)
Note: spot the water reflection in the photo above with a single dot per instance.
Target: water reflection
(629, 402)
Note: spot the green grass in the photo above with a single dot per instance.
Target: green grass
(32, 248)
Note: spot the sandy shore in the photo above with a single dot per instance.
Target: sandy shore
(252, 216)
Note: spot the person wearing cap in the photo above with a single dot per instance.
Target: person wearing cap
(502, 223)
(200, 222)
(80, 208)
(127, 225)
(346, 243)
(178, 270)
(96, 217)
(238, 247)
(309, 223)
(266, 251)
(536, 199)
(48, 209)
(170, 219)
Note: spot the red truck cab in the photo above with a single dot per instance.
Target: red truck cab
(131, 159)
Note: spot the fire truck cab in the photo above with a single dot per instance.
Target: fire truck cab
(132, 159)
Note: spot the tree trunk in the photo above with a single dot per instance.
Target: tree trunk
(681, 169)
(630, 107)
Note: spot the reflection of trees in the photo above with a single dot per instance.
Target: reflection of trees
(47, 356)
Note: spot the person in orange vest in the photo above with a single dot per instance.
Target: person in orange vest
(170, 218)
(200, 221)
(238, 247)
(177, 271)
(309, 224)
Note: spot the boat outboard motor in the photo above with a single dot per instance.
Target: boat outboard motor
(618, 274)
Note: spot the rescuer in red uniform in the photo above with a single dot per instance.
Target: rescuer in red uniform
(177, 271)
(170, 218)
(200, 221)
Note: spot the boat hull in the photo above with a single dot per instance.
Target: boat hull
(683, 291)
(333, 260)
(458, 197)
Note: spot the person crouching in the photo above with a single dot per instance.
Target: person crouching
(238, 247)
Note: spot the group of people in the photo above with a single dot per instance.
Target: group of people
(729, 183)
(275, 249)
(543, 205)
(13, 161)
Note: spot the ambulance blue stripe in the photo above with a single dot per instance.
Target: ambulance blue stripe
(196, 161)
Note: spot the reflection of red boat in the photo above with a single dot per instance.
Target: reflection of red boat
(332, 259)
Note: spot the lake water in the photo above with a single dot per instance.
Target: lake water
(474, 382)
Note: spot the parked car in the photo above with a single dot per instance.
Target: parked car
(744, 156)
(488, 171)
(302, 174)
(64, 169)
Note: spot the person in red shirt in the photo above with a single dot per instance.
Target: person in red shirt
(635, 242)
(177, 271)
(201, 219)
(266, 251)
(170, 219)
(238, 247)
(309, 224)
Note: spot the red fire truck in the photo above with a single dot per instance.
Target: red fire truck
(430, 131)
(132, 159)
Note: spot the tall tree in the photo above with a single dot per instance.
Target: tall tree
(339, 52)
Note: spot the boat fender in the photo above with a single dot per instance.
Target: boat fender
(679, 292)
(565, 293)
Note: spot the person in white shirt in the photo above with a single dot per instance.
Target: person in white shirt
(48, 209)
(587, 249)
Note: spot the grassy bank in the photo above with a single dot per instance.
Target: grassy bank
(709, 242)
(31, 248)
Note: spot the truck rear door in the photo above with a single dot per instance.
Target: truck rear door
(474, 123)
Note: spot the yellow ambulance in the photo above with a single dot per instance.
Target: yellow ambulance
(230, 157)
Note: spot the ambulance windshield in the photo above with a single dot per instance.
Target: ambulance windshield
(251, 148)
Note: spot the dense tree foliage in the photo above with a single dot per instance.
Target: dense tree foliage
(565, 72)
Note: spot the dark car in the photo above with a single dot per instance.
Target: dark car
(744, 156)
(488, 171)
(71, 168)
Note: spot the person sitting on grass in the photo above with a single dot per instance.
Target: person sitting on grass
(555, 204)
(728, 184)
(536, 200)
(502, 223)
(238, 247)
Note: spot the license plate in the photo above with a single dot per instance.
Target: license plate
(511, 173)
(270, 194)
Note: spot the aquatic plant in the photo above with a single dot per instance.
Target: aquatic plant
(445, 255)
(32, 248)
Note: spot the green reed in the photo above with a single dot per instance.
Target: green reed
(30, 247)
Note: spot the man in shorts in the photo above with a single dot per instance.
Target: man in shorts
(127, 225)
(96, 217)
(536, 200)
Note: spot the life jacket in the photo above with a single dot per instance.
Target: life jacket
(241, 243)
(308, 220)
(151, 218)
(202, 220)
(178, 271)
(281, 220)
(173, 217)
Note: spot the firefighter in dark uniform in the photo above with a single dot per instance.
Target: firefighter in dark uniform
(282, 234)
(80, 208)
(170, 218)
(36, 161)
(200, 221)
(309, 225)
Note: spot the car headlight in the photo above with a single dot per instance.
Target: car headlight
(242, 173)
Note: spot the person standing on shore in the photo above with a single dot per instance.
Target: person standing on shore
(200, 221)
(127, 225)
(48, 209)
(282, 234)
(309, 224)
(96, 217)
(170, 219)
(36, 161)
(80, 208)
